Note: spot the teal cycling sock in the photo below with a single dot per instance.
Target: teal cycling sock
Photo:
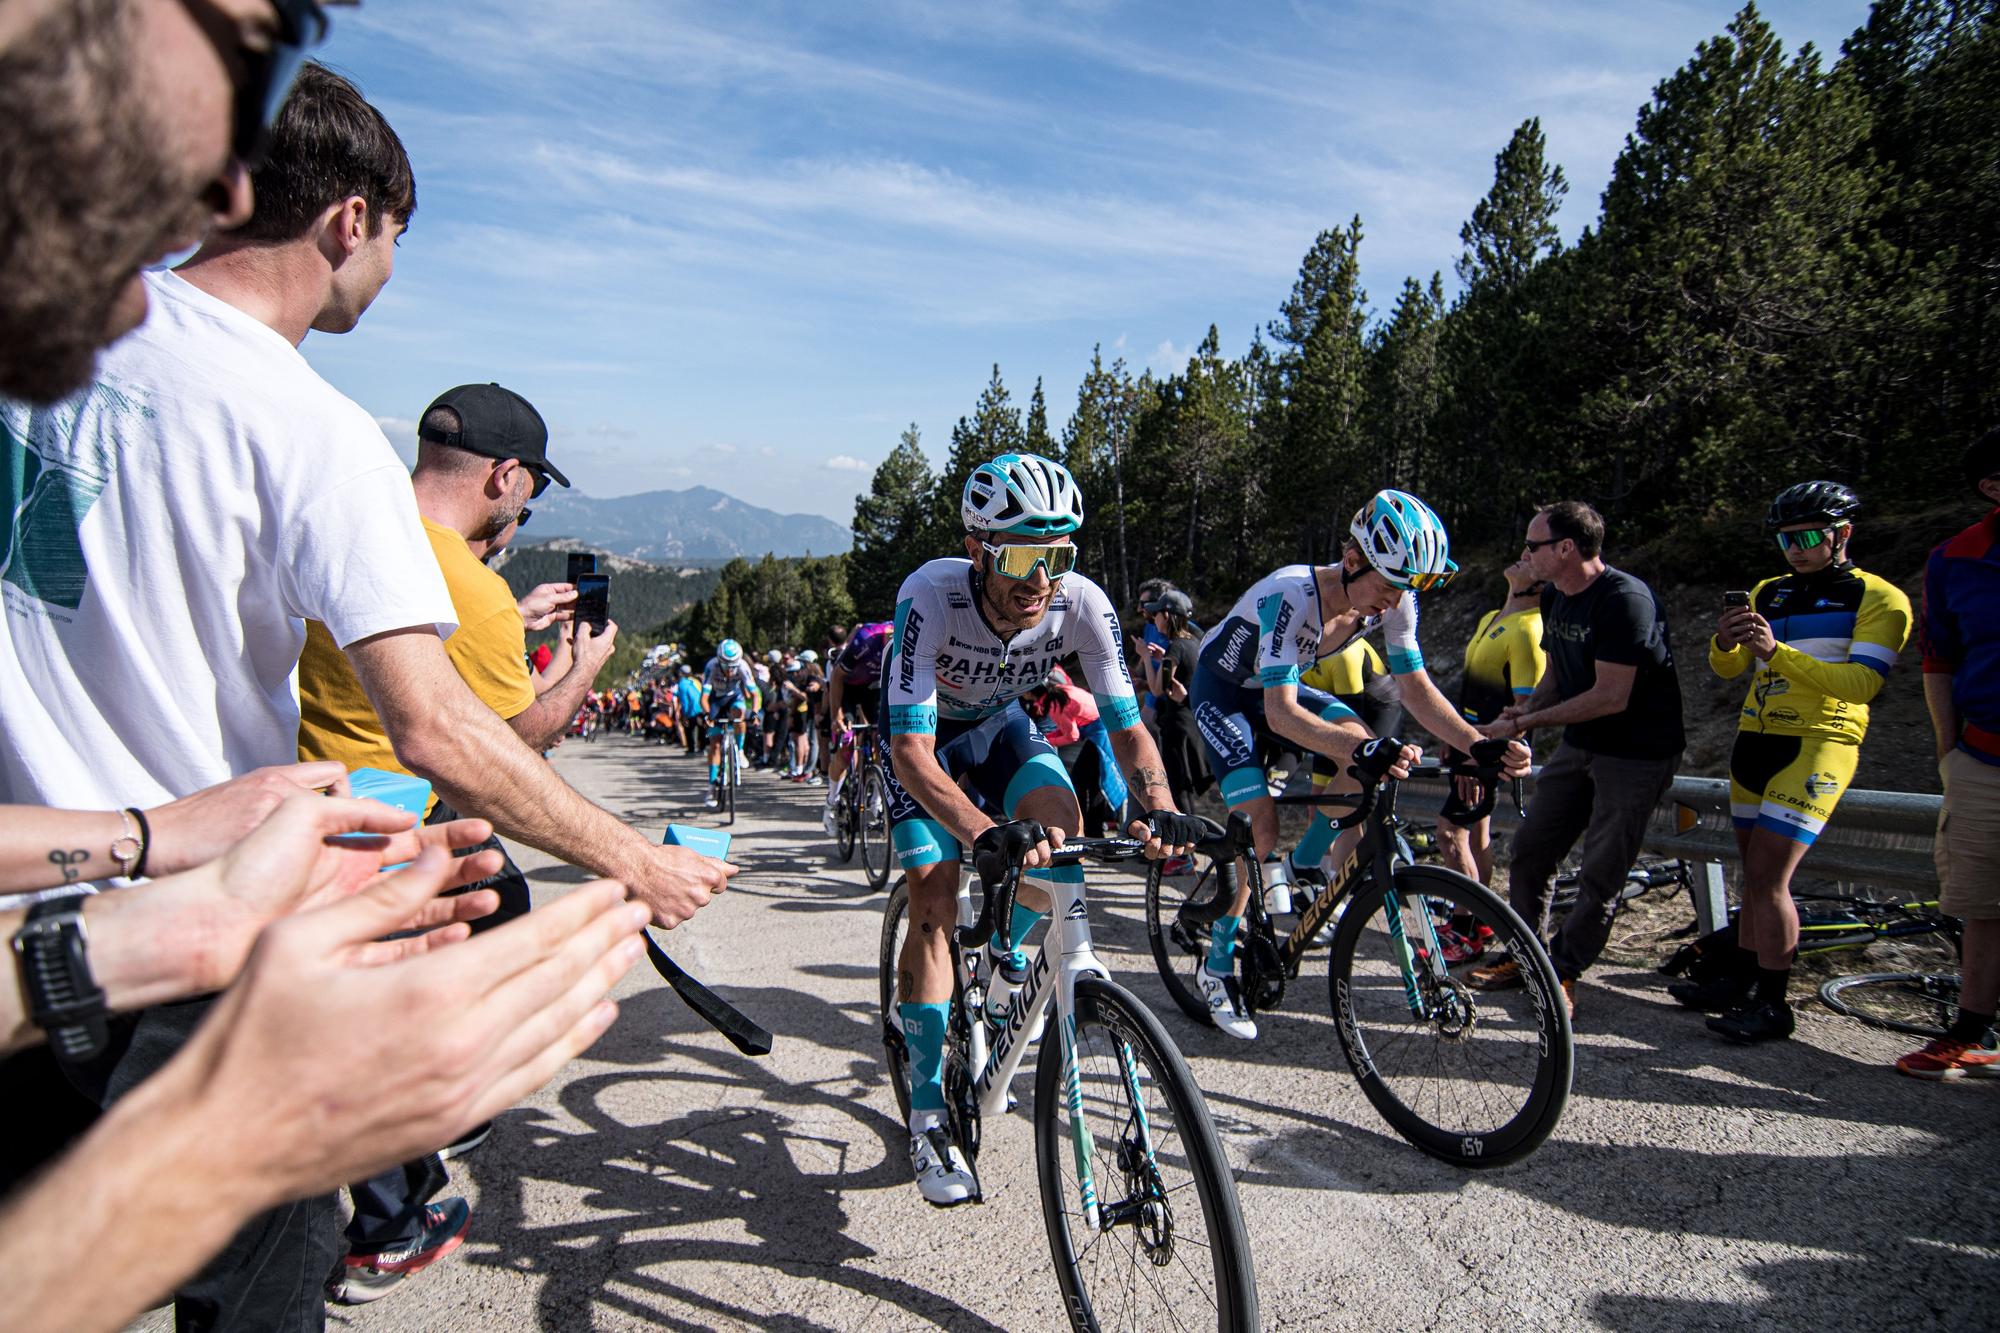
(923, 1033)
(1314, 843)
(714, 774)
(1222, 945)
(1024, 920)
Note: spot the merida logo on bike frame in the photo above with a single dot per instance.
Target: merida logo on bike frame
(1017, 1012)
(1311, 920)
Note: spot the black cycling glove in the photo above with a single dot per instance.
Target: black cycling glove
(1000, 848)
(1174, 828)
(1374, 759)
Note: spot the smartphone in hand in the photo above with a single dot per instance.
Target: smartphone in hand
(593, 600)
(580, 563)
(1735, 600)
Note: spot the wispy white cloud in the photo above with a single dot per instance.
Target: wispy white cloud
(846, 463)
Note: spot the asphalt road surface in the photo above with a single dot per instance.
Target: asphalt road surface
(664, 1181)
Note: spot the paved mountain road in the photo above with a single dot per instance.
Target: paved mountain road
(664, 1181)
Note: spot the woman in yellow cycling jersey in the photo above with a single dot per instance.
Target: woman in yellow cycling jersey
(1818, 643)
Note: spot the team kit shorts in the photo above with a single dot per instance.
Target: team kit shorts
(1788, 785)
(1230, 718)
(724, 709)
(1005, 756)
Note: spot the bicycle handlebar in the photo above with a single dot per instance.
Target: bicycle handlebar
(1483, 765)
(998, 884)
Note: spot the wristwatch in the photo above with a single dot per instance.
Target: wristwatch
(64, 1000)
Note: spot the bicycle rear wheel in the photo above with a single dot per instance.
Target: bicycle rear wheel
(1918, 1003)
(895, 925)
(847, 817)
(1177, 916)
(1475, 1078)
(876, 850)
(1169, 1251)
(732, 772)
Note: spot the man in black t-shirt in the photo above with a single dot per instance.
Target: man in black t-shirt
(1612, 687)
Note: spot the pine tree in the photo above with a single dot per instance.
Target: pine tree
(892, 527)
(994, 428)
(1324, 448)
(1038, 439)
(1095, 443)
(1513, 228)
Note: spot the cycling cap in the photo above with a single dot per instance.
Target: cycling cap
(1022, 493)
(730, 651)
(1404, 540)
(1812, 502)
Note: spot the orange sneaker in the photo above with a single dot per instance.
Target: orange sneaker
(1947, 1059)
(1502, 975)
(1569, 998)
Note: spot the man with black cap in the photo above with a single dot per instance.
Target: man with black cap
(482, 454)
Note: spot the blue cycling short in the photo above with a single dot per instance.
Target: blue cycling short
(1230, 718)
(724, 709)
(1006, 757)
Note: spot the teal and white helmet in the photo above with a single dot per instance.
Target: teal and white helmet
(729, 651)
(1404, 541)
(1022, 493)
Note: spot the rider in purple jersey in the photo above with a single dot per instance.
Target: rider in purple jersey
(850, 696)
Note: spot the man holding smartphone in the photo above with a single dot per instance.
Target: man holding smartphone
(482, 454)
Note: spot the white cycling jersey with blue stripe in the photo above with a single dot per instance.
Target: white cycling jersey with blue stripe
(945, 661)
(1276, 631)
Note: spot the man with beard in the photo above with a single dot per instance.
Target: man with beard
(482, 455)
(201, 501)
(972, 636)
(127, 130)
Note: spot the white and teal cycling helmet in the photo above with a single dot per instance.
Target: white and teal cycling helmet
(730, 651)
(1022, 493)
(1404, 541)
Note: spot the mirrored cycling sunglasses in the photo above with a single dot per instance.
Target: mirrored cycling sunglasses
(1018, 562)
(1804, 540)
(1430, 582)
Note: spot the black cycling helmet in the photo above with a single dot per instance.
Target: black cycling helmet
(1812, 502)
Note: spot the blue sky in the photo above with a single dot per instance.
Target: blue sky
(743, 245)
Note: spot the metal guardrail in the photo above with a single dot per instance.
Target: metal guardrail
(1875, 837)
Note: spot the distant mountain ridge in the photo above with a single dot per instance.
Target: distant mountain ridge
(697, 523)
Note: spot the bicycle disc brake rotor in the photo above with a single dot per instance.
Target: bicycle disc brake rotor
(1263, 973)
(1454, 1009)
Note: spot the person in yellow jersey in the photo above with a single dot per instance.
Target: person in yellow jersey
(481, 455)
(1504, 662)
(1817, 644)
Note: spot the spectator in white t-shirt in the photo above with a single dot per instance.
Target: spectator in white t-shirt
(184, 516)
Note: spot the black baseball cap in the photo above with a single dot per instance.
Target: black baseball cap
(1170, 599)
(497, 423)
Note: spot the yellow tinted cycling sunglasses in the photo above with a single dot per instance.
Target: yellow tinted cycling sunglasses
(1018, 562)
(1429, 582)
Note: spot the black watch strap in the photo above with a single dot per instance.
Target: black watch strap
(64, 1000)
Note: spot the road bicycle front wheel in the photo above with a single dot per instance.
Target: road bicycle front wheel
(1475, 1078)
(1142, 1212)
(895, 925)
(1918, 1003)
(876, 849)
(731, 774)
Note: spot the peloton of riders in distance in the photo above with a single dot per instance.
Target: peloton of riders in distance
(1248, 684)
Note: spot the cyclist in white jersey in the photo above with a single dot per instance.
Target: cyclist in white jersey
(1246, 684)
(971, 637)
(727, 683)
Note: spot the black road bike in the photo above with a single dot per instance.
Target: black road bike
(861, 815)
(1475, 1078)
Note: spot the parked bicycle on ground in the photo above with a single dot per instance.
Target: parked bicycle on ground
(861, 810)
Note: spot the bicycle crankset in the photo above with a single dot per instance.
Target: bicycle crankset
(1263, 972)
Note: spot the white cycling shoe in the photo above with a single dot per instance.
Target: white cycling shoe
(943, 1177)
(1225, 1004)
(826, 821)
